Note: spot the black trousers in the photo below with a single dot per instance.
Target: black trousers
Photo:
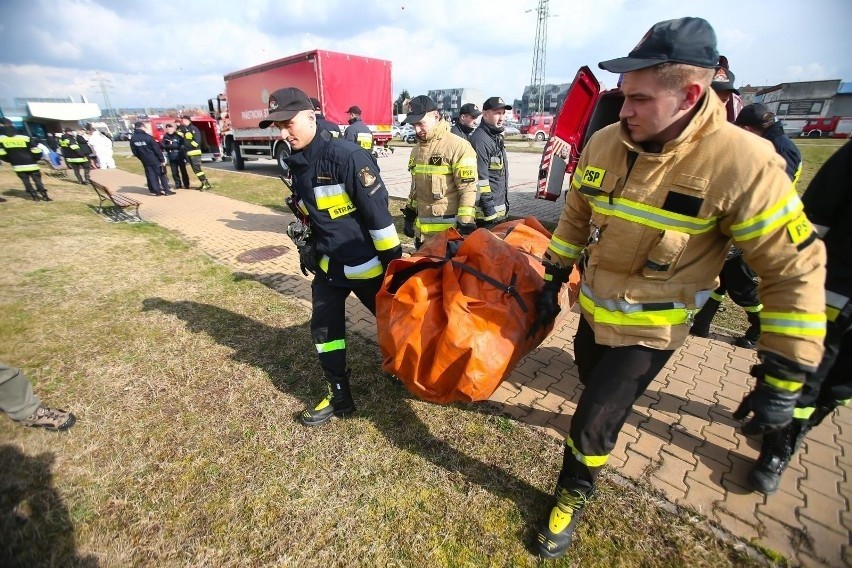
(737, 279)
(86, 170)
(30, 178)
(156, 178)
(179, 173)
(831, 385)
(613, 378)
(195, 163)
(328, 319)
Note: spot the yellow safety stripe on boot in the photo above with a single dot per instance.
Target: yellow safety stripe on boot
(328, 347)
(782, 384)
(780, 214)
(803, 413)
(564, 248)
(793, 324)
(323, 403)
(640, 317)
(717, 297)
(385, 239)
(753, 309)
(650, 216)
(834, 303)
(590, 461)
(431, 170)
(559, 519)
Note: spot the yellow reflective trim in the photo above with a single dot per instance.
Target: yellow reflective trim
(793, 324)
(485, 188)
(466, 211)
(342, 210)
(559, 520)
(655, 318)
(434, 227)
(385, 239)
(329, 346)
(776, 216)
(799, 229)
(564, 248)
(323, 263)
(717, 297)
(831, 313)
(650, 216)
(803, 413)
(431, 170)
(781, 384)
(590, 461)
(754, 309)
(465, 162)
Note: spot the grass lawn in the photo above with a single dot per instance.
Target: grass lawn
(186, 380)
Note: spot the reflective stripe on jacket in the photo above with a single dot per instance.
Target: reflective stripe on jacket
(74, 149)
(192, 139)
(338, 185)
(21, 152)
(443, 180)
(492, 167)
(656, 228)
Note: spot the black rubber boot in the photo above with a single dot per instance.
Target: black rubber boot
(752, 334)
(701, 323)
(205, 184)
(44, 196)
(338, 402)
(554, 537)
(34, 195)
(775, 452)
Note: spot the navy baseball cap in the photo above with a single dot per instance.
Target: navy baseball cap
(690, 41)
(471, 109)
(755, 115)
(723, 80)
(284, 104)
(496, 103)
(418, 108)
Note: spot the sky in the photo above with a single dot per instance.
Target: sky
(174, 54)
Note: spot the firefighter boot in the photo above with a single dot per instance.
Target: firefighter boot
(338, 402)
(815, 419)
(554, 537)
(34, 195)
(775, 452)
(44, 196)
(701, 323)
(752, 334)
(205, 184)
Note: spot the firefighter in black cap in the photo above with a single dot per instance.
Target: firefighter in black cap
(23, 153)
(76, 152)
(322, 123)
(491, 164)
(147, 151)
(654, 202)
(466, 123)
(357, 131)
(345, 235)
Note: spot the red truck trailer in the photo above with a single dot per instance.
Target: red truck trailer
(338, 80)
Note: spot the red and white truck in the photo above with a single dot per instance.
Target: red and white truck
(828, 127)
(337, 80)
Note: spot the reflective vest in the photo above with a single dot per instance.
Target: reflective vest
(192, 139)
(359, 133)
(443, 181)
(655, 229)
(20, 151)
(73, 149)
(492, 168)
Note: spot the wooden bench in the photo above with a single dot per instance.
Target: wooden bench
(119, 201)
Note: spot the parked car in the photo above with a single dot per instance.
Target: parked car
(410, 137)
(401, 132)
(511, 130)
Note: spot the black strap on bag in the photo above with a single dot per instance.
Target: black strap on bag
(399, 278)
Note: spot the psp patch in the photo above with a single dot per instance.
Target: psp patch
(367, 177)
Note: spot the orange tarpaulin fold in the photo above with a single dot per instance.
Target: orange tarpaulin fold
(453, 317)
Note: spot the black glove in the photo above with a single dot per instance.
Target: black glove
(387, 256)
(547, 302)
(408, 226)
(465, 228)
(771, 403)
(308, 258)
(486, 204)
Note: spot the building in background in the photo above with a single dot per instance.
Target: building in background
(554, 96)
(36, 116)
(796, 103)
(450, 101)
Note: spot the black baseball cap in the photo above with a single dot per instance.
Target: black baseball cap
(691, 41)
(185, 117)
(316, 103)
(354, 110)
(496, 103)
(756, 114)
(286, 103)
(417, 109)
(138, 124)
(723, 80)
(470, 109)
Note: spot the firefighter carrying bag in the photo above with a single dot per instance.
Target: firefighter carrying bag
(453, 318)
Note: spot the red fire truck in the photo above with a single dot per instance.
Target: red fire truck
(828, 127)
(209, 128)
(337, 80)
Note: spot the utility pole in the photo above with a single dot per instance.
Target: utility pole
(106, 85)
(537, 78)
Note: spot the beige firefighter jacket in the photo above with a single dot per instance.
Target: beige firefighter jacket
(443, 181)
(656, 227)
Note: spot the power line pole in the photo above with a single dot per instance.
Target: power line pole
(106, 85)
(537, 78)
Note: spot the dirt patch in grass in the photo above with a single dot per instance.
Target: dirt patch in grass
(186, 381)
